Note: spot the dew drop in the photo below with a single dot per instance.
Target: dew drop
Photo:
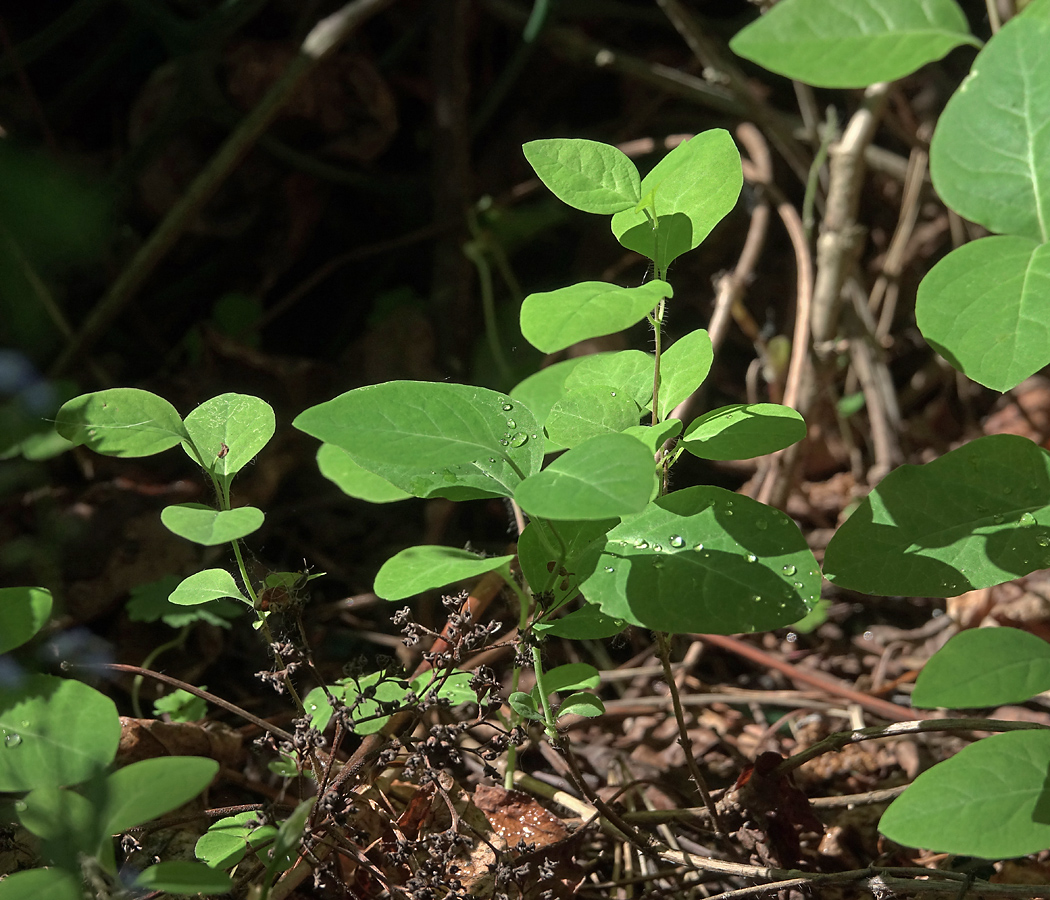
(761, 525)
(729, 512)
(507, 407)
(658, 563)
(642, 545)
(504, 442)
(519, 439)
(612, 393)
(25, 723)
(610, 569)
(790, 570)
(797, 584)
(13, 739)
(511, 423)
(791, 637)
(998, 518)
(699, 547)
(752, 558)
(677, 541)
(757, 598)
(1027, 519)
(658, 548)
(1043, 541)
(1008, 490)
(21, 806)
(707, 555)
(492, 459)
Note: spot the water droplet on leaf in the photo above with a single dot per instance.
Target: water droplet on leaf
(507, 407)
(1027, 519)
(519, 439)
(699, 547)
(610, 569)
(677, 541)
(761, 524)
(504, 442)
(658, 548)
(790, 570)
(752, 558)
(13, 739)
(998, 518)
(642, 545)
(511, 423)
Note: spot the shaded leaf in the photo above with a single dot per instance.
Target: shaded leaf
(338, 467)
(743, 431)
(418, 569)
(23, 612)
(211, 527)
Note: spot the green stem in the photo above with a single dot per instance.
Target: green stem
(476, 254)
(548, 716)
(147, 663)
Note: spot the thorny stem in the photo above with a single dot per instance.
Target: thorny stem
(664, 646)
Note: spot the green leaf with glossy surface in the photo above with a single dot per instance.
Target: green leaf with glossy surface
(182, 876)
(541, 390)
(683, 368)
(211, 584)
(630, 371)
(208, 526)
(852, 44)
(653, 437)
(524, 706)
(984, 667)
(743, 431)
(418, 569)
(989, 800)
(569, 677)
(147, 789)
(586, 175)
(697, 184)
(581, 703)
(338, 467)
(554, 320)
(586, 412)
(431, 439)
(586, 623)
(705, 560)
(990, 153)
(229, 431)
(548, 553)
(976, 517)
(983, 308)
(227, 841)
(54, 732)
(23, 612)
(609, 475)
(149, 603)
(125, 422)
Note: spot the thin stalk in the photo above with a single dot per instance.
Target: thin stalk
(136, 684)
(548, 716)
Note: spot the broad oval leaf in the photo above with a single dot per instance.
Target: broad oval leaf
(226, 841)
(230, 430)
(418, 569)
(983, 308)
(609, 475)
(976, 517)
(54, 732)
(183, 876)
(683, 368)
(704, 559)
(554, 320)
(432, 439)
(524, 706)
(541, 390)
(149, 788)
(694, 187)
(125, 422)
(548, 554)
(743, 431)
(586, 412)
(989, 800)
(23, 612)
(655, 436)
(582, 703)
(628, 370)
(338, 467)
(852, 44)
(984, 667)
(46, 884)
(587, 175)
(211, 584)
(586, 623)
(211, 527)
(569, 677)
(990, 152)
(67, 821)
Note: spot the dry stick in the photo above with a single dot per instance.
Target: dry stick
(325, 36)
(874, 705)
(837, 248)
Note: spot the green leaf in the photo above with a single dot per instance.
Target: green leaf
(548, 553)
(609, 475)
(229, 431)
(554, 320)
(697, 184)
(704, 559)
(181, 705)
(227, 841)
(211, 527)
(147, 789)
(978, 516)
(984, 667)
(182, 876)
(587, 175)
(211, 584)
(586, 623)
(653, 437)
(524, 706)
(289, 834)
(338, 467)
(852, 44)
(40, 884)
(983, 308)
(54, 732)
(569, 677)
(743, 431)
(990, 153)
(683, 368)
(67, 822)
(586, 412)
(630, 371)
(150, 603)
(123, 422)
(989, 800)
(581, 704)
(23, 612)
(419, 569)
(432, 439)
